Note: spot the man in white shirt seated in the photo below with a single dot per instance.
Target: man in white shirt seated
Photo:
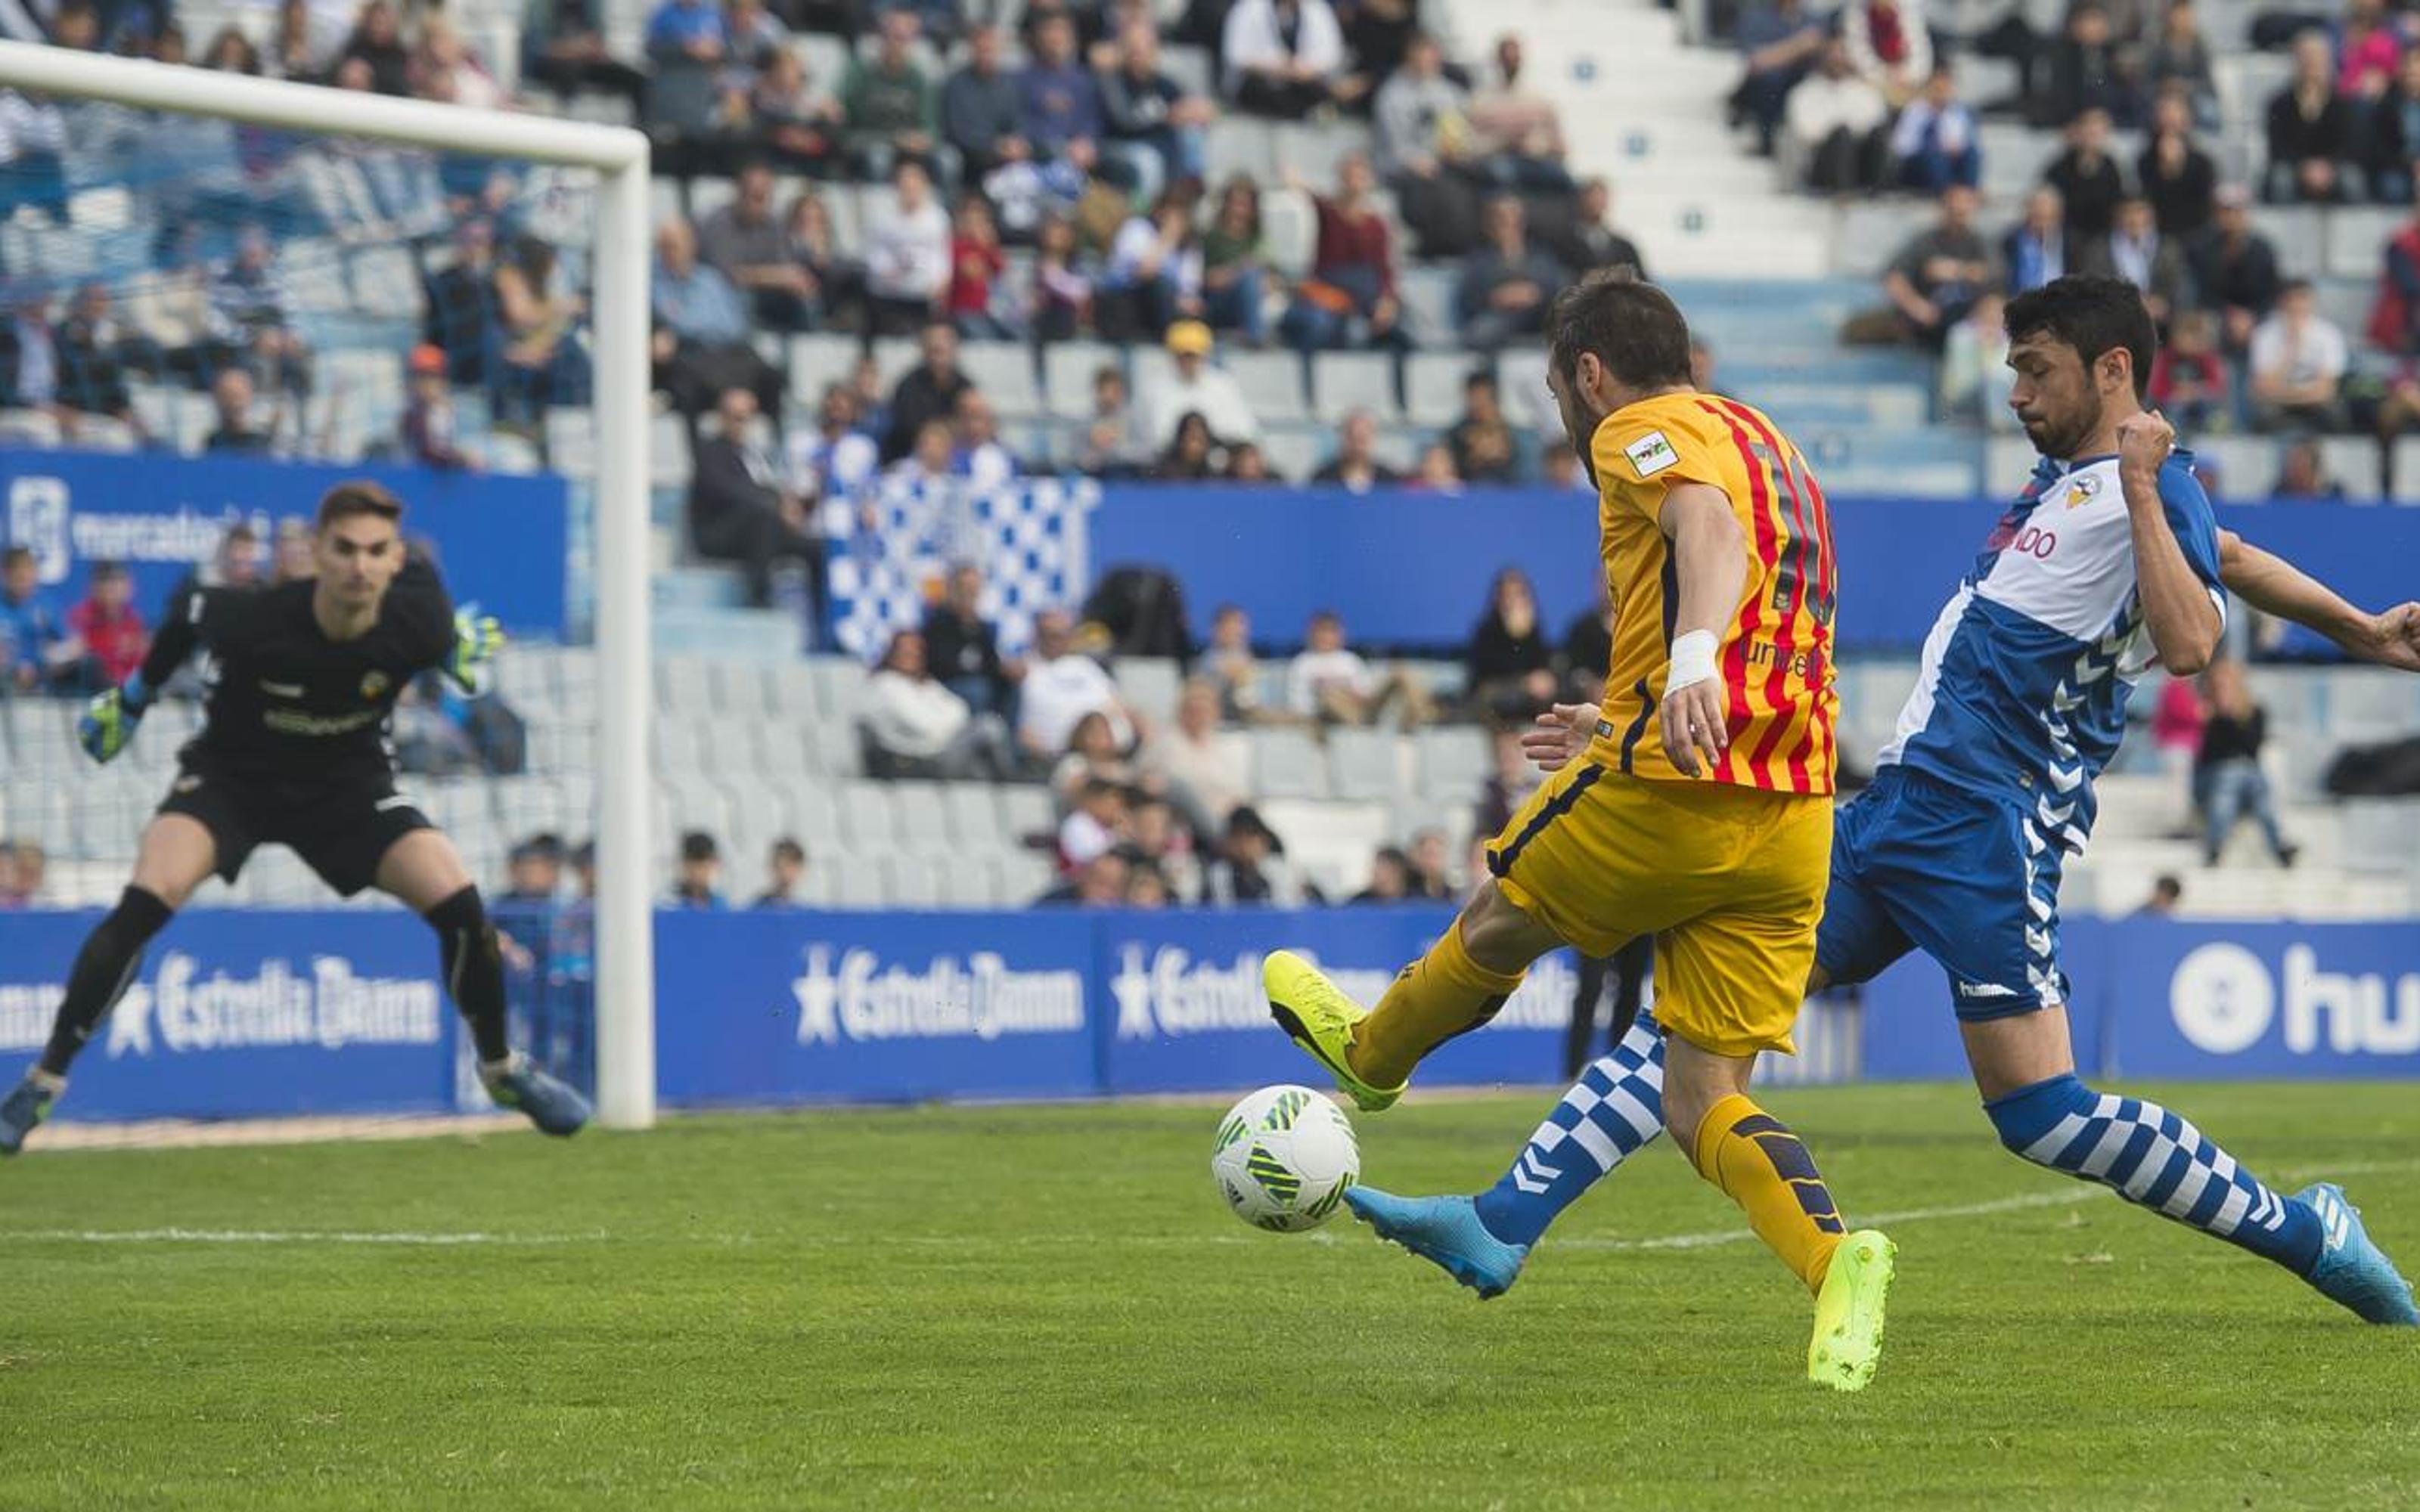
(1196, 387)
(914, 727)
(1332, 684)
(1062, 685)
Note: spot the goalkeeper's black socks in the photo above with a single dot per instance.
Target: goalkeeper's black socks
(474, 970)
(104, 969)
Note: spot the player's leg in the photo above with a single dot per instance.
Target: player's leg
(421, 868)
(175, 855)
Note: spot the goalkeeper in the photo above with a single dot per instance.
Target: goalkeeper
(293, 752)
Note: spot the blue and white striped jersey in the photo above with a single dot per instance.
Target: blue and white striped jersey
(2027, 672)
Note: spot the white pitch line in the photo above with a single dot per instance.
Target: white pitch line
(273, 1236)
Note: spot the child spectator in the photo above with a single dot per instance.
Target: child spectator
(110, 627)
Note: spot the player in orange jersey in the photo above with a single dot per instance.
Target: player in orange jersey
(1701, 814)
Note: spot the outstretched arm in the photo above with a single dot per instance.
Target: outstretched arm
(179, 632)
(2272, 585)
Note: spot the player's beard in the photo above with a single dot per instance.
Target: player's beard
(2060, 443)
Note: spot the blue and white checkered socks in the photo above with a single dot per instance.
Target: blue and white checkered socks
(1615, 1108)
(2155, 1160)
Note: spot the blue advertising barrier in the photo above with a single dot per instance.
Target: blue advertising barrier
(240, 1013)
(501, 539)
(246, 1014)
(1412, 569)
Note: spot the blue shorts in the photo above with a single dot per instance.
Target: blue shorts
(1917, 864)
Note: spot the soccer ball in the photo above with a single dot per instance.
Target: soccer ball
(1284, 1156)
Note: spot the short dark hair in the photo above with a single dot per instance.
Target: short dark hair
(786, 849)
(15, 554)
(697, 846)
(110, 569)
(1632, 327)
(359, 496)
(2091, 314)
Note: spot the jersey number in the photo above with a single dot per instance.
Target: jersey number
(1790, 575)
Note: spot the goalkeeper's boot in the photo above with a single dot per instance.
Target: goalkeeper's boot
(553, 1106)
(28, 1104)
(1446, 1231)
(1848, 1342)
(2351, 1269)
(1317, 1015)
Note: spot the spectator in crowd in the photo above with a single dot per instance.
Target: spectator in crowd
(832, 280)
(1780, 42)
(1356, 465)
(1094, 825)
(291, 553)
(1100, 883)
(1836, 126)
(1061, 685)
(1432, 877)
(2189, 379)
(739, 512)
(2035, 251)
(1934, 144)
(237, 563)
(93, 345)
(1890, 46)
(1506, 284)
(35, 646)
(2311, 130)
(2087, 178)
(915, 728)
(109, 628)
(1285, 58)
(835, 463)
(250, 299)
(1152, 128)
(532, 872)
(1061, 119)
(1162, 850)
(446, 70)
(977, 453)
(1248, 463)
(1482, 440)
(1349, 299)
(744, 242)
(963, 647)
(2234, 269)
(2227, 772)
(1231, 665)
(540, 360)
(1391, 877)
(1588, 650)
(2297, 365)
(928, 392)
(2136, 252)
(1153, 276)
(700, 344)
(1511, 664)
(428, 433)
(932, 461)
(377, 40)
(23, 874)
(1251, 867)
(976, 262)
(2085, 70)
(1194, 387)
(1062, 283)
(983, 108)
(2178, 177)
(1588, 242)
(906, 253)
(1975, 382)
(232, 398)
(894, 111)
(1235, 275)
(1427, 150)
(2178, 61)
(460, 315)
(1114, 444)
(29, 351)
(1434, 472)
(1937, 277)
(2392, 134)
(2176, 733)
(2368, 53)
(698, 886)
(563, 50)
(1501, 795)
(1331, 684)
(1518, 131)
(795, 124)
(1192, 454)
(1207, 770)
(2166, 893)
(785, 868)
(2302, 474)
(1092, 753)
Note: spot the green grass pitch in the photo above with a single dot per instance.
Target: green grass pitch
(1050, 1307)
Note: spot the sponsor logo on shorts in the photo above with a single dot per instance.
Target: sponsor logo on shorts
(394, 800)
(1651, 454)
(1984, 989)
(280, 690)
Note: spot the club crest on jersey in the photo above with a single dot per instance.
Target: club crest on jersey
(374, 686)
(1651, 454)
(2083, 490)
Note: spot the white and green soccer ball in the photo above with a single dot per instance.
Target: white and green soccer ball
(1284, 1156)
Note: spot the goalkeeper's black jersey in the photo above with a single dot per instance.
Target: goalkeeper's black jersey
(288, 704)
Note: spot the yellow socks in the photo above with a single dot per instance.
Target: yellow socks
(1760, 1165)
(1443, 994)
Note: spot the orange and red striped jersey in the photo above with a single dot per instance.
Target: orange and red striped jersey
(1776, 653)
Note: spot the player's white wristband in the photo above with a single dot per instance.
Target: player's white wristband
(1693, 661)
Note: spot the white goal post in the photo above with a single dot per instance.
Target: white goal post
(626, 1025)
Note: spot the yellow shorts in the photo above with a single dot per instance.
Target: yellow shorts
(1730, 880)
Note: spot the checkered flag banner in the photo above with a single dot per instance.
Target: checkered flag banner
(1026, 535)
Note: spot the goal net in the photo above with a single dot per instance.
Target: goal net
(225, 294)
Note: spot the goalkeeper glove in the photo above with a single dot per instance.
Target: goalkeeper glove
(108, 721)
(477, 637)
